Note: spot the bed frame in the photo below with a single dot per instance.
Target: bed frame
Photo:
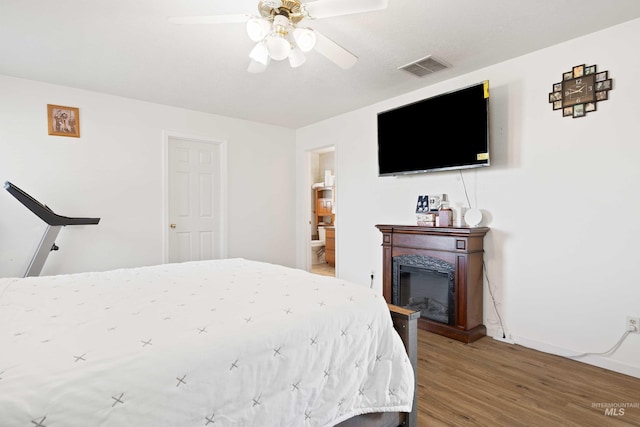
(406, 324)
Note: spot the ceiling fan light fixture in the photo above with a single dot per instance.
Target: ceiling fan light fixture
(277, 36)
(257, 29)
(297, 58)
(278, 47)
(305, 38)
(260, 54)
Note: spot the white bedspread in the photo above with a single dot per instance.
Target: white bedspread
(212, 343)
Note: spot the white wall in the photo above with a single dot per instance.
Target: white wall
(115, 171)
(559, 198)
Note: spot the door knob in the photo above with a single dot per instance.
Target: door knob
(172, 226)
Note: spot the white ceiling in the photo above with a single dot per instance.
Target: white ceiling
(128, 48)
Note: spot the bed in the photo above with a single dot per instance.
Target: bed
(208, 343)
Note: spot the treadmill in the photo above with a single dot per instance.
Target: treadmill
(54, 222)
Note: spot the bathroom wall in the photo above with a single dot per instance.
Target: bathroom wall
(327, 161)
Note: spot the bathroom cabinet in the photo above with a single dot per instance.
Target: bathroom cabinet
(330, 246)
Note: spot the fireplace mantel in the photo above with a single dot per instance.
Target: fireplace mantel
(460, 246)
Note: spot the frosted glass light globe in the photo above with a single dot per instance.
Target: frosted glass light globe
(257, 28)
(305, 38)
(259, 54)
(296, 58)
(279, 48)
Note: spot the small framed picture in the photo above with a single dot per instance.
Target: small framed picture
(578, 71)
(63, 121)
(557, 105)
(423, 204)
(590, 70)
(602, 96)
(603, 85)
(567, 111)
(589, 106)
(578, 110)
(555, 96)
(601, 76)
(568, 75)
(557, 87)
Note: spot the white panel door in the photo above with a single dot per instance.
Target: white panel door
(194, 198)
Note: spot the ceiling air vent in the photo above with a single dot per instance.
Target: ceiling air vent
(424, 66)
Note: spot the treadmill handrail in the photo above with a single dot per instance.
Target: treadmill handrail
(43, 211)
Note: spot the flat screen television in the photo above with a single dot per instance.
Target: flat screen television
(445, 132)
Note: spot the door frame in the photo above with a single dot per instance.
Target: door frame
(222, 210)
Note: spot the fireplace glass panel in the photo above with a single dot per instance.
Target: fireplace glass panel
(427, 291)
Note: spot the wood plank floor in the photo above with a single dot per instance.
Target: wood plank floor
(491, 383)
(323, 269)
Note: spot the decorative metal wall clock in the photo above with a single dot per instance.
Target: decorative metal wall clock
(580, 90)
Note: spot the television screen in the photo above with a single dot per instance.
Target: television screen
(445, 132)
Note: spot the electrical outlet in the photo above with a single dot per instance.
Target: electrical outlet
(633, 324)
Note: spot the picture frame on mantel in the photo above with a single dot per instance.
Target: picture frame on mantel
(63, 121)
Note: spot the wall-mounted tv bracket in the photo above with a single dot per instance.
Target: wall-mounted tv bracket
(54, 223)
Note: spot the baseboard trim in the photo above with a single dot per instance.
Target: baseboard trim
(599, 361)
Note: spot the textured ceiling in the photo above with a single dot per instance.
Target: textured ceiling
(128, 48)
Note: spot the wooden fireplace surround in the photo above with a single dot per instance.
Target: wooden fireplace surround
(462, 247)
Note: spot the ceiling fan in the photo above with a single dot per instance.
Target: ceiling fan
(279, 35)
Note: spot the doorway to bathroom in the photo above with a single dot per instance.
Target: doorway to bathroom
(323, 211)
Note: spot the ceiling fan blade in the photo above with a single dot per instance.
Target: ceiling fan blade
(213, 19)
(334, 52)
(327, 8)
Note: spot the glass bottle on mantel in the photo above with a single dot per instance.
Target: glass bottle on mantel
(445, 215)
